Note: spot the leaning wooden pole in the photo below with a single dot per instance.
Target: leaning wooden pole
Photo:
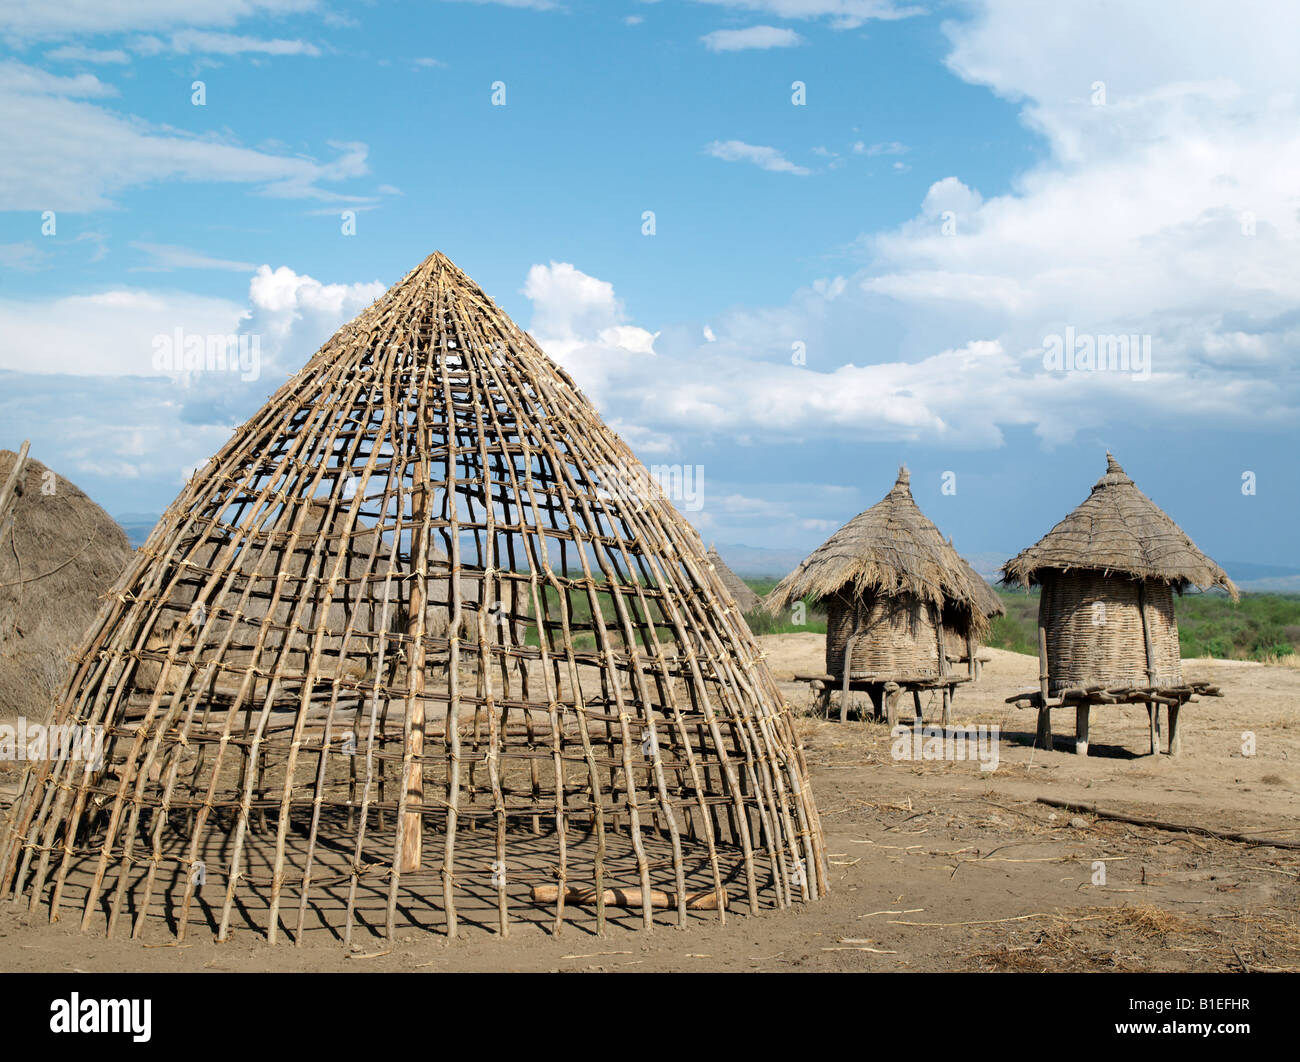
(13, 484)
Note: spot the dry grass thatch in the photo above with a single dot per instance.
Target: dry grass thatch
(745, 598)
(59, 553)
(1118, 529)
(891, 548)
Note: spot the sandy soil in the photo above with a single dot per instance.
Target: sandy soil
(935, 865)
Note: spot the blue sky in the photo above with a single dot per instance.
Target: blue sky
(831, 288)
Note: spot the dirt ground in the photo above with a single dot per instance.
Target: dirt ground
(936, 865)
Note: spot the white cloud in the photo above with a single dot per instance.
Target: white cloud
(111, 332)
(766, 158)
(889, 147)
(27, 19)
(206, 42)
(107, 333)
(754, 37)
(844, 14)
(75, 53)
(63, 153)
(163, 257)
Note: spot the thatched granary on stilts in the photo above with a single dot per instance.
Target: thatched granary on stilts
(1107, 633)
(586, 733)
(745, 598)
(892, 587)
(59, 554)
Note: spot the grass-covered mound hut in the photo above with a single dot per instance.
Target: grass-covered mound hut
(1108, 574)
(312, 747)
(892, 586)
(59, 555)
(745, 598)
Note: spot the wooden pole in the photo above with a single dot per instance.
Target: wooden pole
(1044, 736)
(1175, 735)
(1081, 729)
(413, 820)
(13, 484)
(1153, 707)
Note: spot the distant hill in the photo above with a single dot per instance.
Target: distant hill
(137, 526)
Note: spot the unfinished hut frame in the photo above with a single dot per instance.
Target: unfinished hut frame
(1107, 633)
(895, 591)
(421, 646)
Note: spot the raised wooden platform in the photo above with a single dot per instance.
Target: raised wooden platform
(884, 690)
(1082, 699)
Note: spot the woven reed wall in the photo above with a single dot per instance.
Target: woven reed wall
(1094, 631)
(897, 636)
(954, 642)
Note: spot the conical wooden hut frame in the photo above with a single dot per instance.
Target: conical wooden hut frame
(892, 586)
(1107, 634)
(422, 645)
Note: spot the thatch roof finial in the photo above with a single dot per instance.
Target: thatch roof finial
(904, 480)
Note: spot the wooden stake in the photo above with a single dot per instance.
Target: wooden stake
(1081, 729)
(1043, 739)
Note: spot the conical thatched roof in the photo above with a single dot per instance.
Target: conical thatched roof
(59, 554)
(1119, 529)
(889, 548)
(584, 711)
(745, 598)
(990, 604)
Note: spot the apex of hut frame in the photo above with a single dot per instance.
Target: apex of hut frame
(1112, 465)
(904, 478)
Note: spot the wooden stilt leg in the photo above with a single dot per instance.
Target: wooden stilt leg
(916, 705)
(1175, 735)
(878, 701)
(1153, 719)
(1044, 737)
(947, 706)
(1081, 729)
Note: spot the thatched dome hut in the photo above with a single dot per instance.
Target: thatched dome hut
(891, 584)
(1108, 573)
(745, 598)
(59, 554)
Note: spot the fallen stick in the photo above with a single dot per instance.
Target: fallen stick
(1160, 824)
(706, 900)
